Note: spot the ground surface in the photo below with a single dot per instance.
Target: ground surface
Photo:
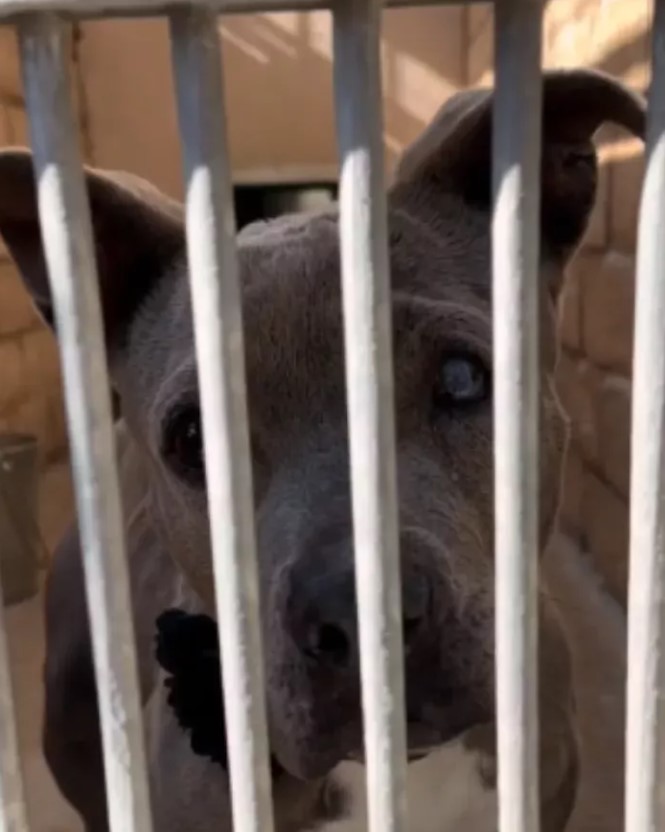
(48, 811)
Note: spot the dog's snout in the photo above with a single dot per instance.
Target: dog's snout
(415, 605)
(322, 616)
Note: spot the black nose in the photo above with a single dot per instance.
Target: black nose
(322, 616)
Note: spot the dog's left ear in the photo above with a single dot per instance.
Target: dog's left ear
(454, 155)
(138, 233)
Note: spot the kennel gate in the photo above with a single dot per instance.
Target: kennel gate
(66, 230)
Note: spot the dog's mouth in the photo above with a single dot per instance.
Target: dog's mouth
(414, 753)
(310, 735)
(412, 756)
(320, 754)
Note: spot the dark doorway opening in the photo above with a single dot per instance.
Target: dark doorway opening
(264, 202)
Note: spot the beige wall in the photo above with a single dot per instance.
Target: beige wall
(30, 397)
(279, 89)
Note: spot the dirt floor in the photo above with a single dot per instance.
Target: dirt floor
(48, 811)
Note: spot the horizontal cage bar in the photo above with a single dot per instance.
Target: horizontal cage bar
(85, 9)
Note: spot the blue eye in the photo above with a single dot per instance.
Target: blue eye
(463, 380)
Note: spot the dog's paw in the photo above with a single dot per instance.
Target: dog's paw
(187, 648)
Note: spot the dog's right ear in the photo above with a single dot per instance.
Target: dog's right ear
(138, 232)
(454, 155)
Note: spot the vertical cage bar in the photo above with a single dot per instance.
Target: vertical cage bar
(515, 262)
(217, 310)
(13, 815)
(645, 738)
(67, 236)
(369, 379)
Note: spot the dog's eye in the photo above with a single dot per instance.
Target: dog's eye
(182, 444)
(463, 380)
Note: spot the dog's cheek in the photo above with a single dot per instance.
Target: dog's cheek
(288, 724)
(180, 519)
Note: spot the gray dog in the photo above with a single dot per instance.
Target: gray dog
(439, 219)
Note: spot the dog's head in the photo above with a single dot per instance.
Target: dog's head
(439, 222)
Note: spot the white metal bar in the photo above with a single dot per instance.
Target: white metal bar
(515, 260)
(369, 378)
(13, 815)
(66, 232)
(645, 737)
(217, 309)
(84, 9)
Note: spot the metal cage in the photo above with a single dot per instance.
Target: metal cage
(66, 231)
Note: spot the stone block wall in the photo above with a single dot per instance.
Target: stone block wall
(30, 389)
(597, 305)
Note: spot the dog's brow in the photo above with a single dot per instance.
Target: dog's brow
(183, 381)
(421, 306)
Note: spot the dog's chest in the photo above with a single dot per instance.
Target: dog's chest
(445, 793)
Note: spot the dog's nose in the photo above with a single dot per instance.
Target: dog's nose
(323, 618)
(324, 624)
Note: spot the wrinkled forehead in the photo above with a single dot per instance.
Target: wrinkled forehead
(291, 294)
(446, 261)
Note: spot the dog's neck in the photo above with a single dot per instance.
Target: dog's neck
(445, 793)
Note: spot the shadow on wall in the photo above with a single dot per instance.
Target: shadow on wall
(611, 36)
(279, 88)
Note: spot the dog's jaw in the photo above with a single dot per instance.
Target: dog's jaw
(312, 752)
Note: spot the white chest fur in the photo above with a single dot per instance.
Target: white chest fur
(444, 794)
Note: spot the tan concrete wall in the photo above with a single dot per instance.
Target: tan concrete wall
(279, 88)
(596, 323)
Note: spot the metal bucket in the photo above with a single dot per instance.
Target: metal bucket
(19, 566)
